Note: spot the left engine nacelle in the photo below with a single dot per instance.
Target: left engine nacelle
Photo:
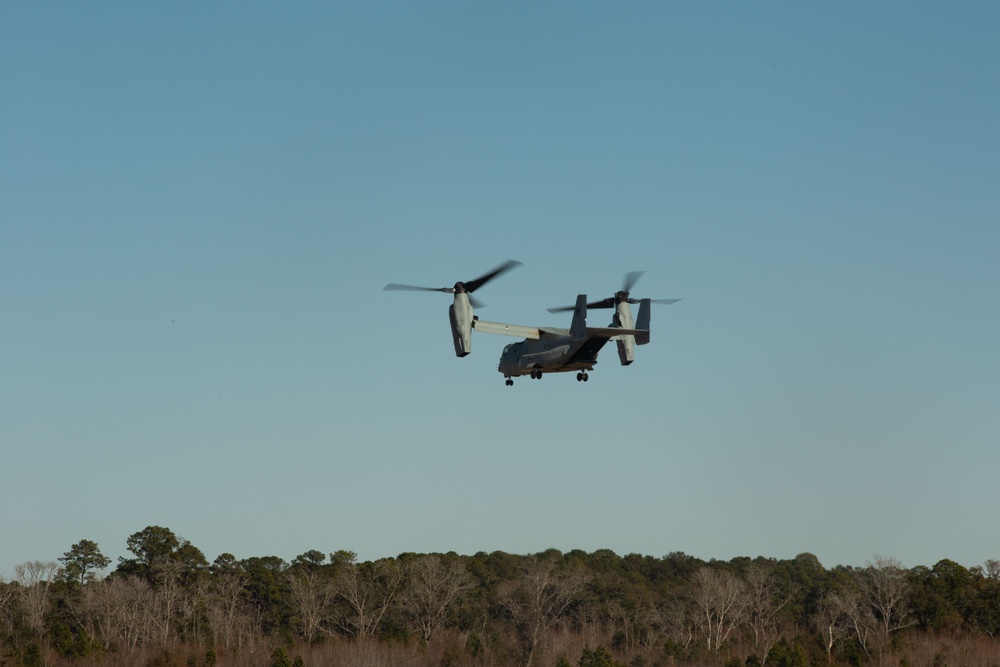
(461, 314)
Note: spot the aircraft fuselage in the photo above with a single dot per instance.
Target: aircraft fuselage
(551, 353)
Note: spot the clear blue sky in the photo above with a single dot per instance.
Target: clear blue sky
(200, 205)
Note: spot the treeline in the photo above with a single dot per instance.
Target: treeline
(168, 605)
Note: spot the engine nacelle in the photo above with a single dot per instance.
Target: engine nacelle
(626, 349)
(623, 318)
(461, 315)
(626, 344)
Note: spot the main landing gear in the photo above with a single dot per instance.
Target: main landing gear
(536, 374)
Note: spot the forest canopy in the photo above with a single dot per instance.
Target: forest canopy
(167, 604)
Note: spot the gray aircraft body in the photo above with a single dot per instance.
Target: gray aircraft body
(545, 349)
(551, 350)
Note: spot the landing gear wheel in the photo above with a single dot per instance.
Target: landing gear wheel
(509, 382)
(586, 377)
(579, 377)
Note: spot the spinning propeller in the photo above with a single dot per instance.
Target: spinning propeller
(467, 287)
(622, 295)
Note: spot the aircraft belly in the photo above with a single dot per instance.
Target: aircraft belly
(526, 357)
(550, 360)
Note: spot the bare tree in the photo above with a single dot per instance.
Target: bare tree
(368, 589)
(872, 607)
(678, 620)
(312, 594)
(848, 605)
(764, 600)
(6, 593)
(720, 599)
(34, 578)
(884, 589)
(833, 620)
(119, 611)
(235, 622)
(435, 584)
(540, 598)
(629, 614)
(167, 596)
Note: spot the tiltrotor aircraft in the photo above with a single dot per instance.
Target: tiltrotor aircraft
(546, 349)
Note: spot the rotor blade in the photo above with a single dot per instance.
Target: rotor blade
(631, 279)
(396, 287)
(473, 285)
(665, 302)
(476, 303)
(603, 303)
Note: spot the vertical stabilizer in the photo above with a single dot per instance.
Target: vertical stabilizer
(643, 322)
(578, 329)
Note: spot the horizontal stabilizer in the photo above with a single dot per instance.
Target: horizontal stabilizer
(506, 329)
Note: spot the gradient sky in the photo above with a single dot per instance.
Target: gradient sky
(201, 202)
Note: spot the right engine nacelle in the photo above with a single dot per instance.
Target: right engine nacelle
(626, 344)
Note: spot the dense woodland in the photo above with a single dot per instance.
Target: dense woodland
(168, 605)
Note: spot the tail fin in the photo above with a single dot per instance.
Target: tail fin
(642, 323)
(578, 329)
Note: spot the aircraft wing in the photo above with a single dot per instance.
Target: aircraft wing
(520, 331)
(506, 329)
(612, 333)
